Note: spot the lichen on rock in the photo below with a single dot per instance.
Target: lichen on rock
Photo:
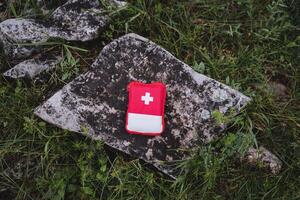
(29, 69)
(95, 103)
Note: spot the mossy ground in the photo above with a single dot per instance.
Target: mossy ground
(251, 45)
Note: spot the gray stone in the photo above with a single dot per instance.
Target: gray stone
(29, 69)
(263, 158)
(95, 103)
(118, 4)
(76, 20)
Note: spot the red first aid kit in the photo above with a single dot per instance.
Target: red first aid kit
(146, 106)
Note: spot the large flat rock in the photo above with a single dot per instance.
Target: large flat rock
(95, 103)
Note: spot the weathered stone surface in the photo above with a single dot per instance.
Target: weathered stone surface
(76, 20)
(29, 69)
(95, 103)
(263, 158)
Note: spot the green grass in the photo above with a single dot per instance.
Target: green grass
(247, 44)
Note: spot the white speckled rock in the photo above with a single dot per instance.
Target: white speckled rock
(31, 68)
(95, 102)
(76, 20)
(14, 33)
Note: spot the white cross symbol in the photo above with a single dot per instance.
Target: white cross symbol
(147, 98)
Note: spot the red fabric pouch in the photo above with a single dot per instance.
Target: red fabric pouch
(146, 106)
